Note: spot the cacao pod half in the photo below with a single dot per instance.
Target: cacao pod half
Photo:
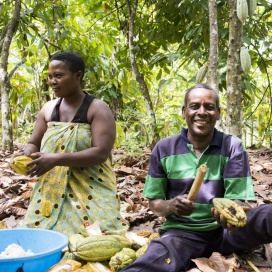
(234, 213)
(19, 164)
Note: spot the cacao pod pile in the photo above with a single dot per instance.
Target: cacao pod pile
(234, 213)
(19, 164)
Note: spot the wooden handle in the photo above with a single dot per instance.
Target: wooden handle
(197, 182)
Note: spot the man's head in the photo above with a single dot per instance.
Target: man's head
(203, 86)
(201, 110)
(74, 61)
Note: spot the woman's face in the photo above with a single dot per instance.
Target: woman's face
(62, 80)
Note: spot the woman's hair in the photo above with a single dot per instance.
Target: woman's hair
(74, 61)
(203, 86)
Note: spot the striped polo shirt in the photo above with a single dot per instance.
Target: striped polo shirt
(174, 166)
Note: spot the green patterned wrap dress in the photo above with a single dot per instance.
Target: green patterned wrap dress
(65, 198)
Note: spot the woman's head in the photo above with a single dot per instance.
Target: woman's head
(74, 61)
(65, 73)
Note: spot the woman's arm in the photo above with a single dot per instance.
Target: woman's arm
(103, 137)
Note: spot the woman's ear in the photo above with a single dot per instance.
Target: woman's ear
(79, 74)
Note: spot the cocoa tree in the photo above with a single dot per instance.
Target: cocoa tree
(213, 51)
(7, 140)
(132, 8)
(234, 73)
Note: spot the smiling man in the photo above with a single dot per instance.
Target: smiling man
(194, 229)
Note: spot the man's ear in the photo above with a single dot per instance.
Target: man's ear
(218, 114)
(183, 112)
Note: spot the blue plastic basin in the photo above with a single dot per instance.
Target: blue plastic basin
(46, 245)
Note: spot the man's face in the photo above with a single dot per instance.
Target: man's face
(62, 81)
(201, 112)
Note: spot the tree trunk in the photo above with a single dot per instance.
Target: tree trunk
(140, 77)
(213, 54)
(234, 74)
(7, 138)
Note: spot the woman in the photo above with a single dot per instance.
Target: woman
(71, 145)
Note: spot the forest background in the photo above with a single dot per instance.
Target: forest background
(141, 57)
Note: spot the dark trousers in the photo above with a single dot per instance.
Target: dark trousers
(174, 250)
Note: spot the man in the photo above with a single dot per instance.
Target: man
(195, 229)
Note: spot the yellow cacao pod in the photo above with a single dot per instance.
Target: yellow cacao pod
(97, 266)
(154, 235)
(252, 4)
(68, 265)
(245, 60)
(242, 10)
(19, 164)
(201, 74)
(97, 248)
(141, 251)
(233, 213)
(122, 259)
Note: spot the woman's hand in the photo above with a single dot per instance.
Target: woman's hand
(42, 163)
(221, 220)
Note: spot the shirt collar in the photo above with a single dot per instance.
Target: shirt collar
(216, 140)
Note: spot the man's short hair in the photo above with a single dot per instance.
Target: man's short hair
(204, 86)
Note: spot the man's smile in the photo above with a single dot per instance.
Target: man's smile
(201, 122)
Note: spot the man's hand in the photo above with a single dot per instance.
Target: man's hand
(181, 206)
(222, 221)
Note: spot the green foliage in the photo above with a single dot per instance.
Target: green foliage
(171, 44)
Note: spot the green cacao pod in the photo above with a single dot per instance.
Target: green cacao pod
(97, 248)
(252, 4)
(122, 259)
(242, 10)
(245, 60)
(73, 241)
(68, 256)
(201, 74)
(233, 213)
(124, 241)
(19, 164)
